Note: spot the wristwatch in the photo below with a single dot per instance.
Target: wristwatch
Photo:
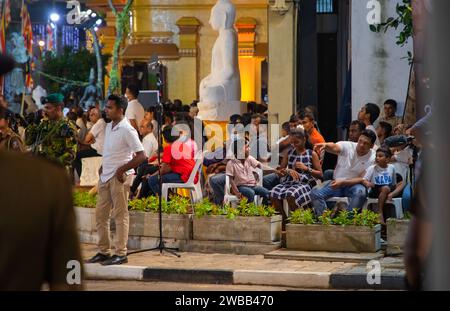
(310, 170)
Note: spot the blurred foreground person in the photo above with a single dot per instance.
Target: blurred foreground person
(38, 236)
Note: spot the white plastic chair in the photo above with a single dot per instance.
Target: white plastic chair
(195, 189)
(89, 173)
(397, 202)
(230, 198)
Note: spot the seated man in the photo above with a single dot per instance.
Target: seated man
(390, 108)
(178, 161)
(150, 149)
(353, 160)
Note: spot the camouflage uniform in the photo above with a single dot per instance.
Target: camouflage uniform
(10, 141)
(54, 140)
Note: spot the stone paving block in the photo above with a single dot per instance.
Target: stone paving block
(292, 279)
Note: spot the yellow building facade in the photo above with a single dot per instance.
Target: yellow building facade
(178, 31)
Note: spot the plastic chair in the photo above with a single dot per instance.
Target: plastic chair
(195, 189)
(230, 198)
(397, 202)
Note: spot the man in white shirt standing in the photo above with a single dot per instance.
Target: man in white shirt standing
(135, 111)
(122, 151)
(353, 160)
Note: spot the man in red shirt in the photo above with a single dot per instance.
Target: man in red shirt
(178, 160)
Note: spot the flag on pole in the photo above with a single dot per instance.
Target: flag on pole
(6, 19)
(49, 37)
(27, 33)
(4, 22)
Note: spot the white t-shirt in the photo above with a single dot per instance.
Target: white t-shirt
(349, 164)
(381, 176)
(98, 131)
(155, 127)
(377, 142)
(135, 111)
(150, 144)
(119, 146)
(402, 161)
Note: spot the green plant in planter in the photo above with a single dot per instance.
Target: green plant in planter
(206, 207)
(365, 218)
(84, 199)
(139, 205)
(178, 205)
(302, 217)
(343, 219)
(325, 219)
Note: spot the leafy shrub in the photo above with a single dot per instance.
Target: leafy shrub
(243, 209)
(84, 199)
(302, 217)
(344, 218)
(365, 218)
(325, 219)
(206, 207)
(176, 205)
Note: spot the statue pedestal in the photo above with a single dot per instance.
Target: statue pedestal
(222, 112)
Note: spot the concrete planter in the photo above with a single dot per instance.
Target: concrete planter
(240, 229)
(396, 235)
(85, 219)
(147, 225)
(333, 238)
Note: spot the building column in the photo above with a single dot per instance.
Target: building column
(282, 62)
(183, 79)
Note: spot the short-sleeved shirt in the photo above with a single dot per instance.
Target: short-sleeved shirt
(135, 111)
(98, 131)
(121, 142)
(349, 164)
(315, 137)
(150, 144)
(377, 142)
(381, 176)
(181, 158)
(242, 172)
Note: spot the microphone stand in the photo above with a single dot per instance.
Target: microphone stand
(162, 244)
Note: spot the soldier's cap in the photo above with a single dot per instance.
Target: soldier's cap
(6, 64)
(54, 99)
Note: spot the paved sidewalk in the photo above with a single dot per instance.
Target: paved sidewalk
(243, 269)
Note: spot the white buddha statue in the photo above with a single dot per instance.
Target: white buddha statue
(220, 92)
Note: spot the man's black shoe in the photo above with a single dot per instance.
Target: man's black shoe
(99, 257)
(115, 260)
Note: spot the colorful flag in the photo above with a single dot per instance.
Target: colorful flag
(27, 32)
(49, 37)
(6, 19)
(4, 22)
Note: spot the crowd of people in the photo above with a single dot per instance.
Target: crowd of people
(295, 168)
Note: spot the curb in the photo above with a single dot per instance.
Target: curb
(312, 280)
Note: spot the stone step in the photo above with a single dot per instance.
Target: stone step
(323, 256)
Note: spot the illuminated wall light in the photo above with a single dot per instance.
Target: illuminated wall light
(54, 17)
